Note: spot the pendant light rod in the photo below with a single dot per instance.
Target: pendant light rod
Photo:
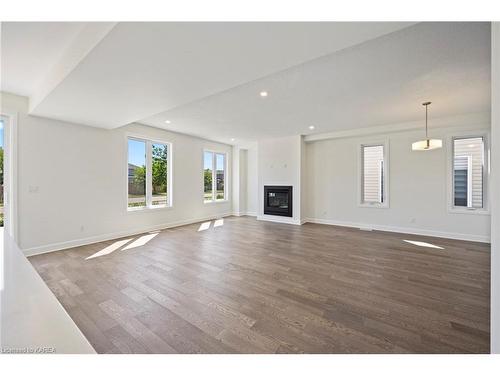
(427, 143)
(426, 104)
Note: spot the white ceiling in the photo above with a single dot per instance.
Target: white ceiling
(30, 49)
(140, 69)
(383, 81)
(206, 77)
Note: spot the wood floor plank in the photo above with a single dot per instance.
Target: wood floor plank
(249, 286)
(135, 328)
(124, 342)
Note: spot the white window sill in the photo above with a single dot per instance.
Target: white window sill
(150, 208)
(373, 205)
(469, 211)
(217, 201)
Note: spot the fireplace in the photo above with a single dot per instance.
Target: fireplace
(278, 200)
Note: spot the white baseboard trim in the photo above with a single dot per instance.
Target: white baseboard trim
(112, 236)
(244, 214)
(405, 230)
(279, 219)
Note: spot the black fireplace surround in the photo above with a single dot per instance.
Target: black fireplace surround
(278, 200)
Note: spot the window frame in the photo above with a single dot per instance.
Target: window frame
(386, 164)
(214, 177)
(149, 141)
(485, 210)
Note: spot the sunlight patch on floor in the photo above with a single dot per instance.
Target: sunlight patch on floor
(109, 249)
(423, 244)
(204, 226)
(141, 241)
(218, 223)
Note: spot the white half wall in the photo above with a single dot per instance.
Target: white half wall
(31, 315)
(72, 182)
(495, 187)
(419, 186)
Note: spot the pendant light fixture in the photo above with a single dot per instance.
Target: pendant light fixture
(427, 143)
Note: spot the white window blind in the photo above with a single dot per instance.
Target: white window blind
(373, 174)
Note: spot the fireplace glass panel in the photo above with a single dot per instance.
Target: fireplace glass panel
(278, 200)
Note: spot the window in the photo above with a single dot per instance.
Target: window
(373, 175)
(136, 173)
(214, 176)
(148, 174)
(468, 173)
(160, 172)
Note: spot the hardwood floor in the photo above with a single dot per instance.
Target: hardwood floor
(247, 286)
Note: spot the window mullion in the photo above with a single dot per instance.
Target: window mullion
(225, 176)
(169, 182)
(149, 174)
(214, 176)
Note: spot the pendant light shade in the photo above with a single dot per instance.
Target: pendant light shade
(427, 143)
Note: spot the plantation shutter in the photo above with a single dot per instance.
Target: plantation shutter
(373, 174)
(468, 172)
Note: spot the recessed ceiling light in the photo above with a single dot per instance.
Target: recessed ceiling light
(232, 139)
(311, 127)
(167, 121)
(263, 94)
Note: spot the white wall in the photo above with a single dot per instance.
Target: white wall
(72, 182)
(495, 171)
(418, 186)
(303, 181)
(240, 181)
(252, 180)
(279, 163)
(236, 180)
(243, 181)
